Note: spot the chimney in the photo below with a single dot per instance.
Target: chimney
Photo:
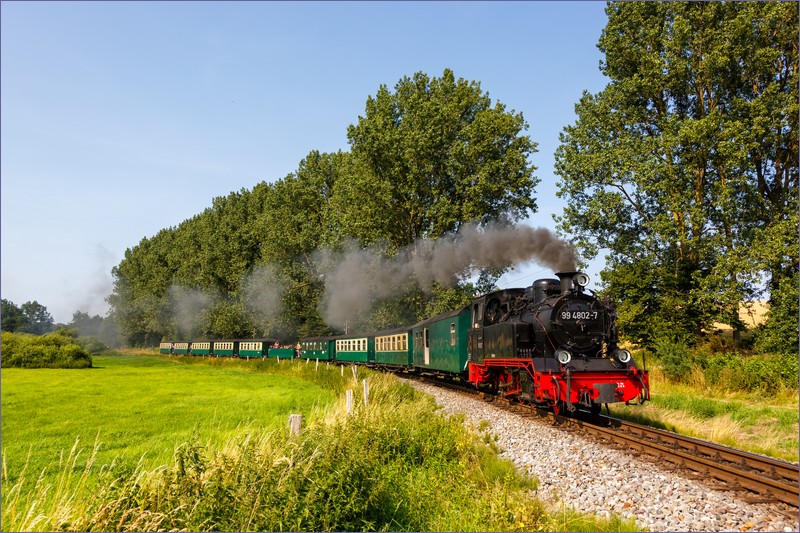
(572, 280)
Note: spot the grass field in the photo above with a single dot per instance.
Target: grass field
(214, 460)
(139, 407)
(216, 455)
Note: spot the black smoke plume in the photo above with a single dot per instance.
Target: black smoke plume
(356, 278)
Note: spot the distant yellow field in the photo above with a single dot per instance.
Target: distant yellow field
(751, 313)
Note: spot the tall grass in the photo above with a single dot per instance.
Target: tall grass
(760, 422)
(393, 465)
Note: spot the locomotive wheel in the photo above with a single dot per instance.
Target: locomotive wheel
(559, 407)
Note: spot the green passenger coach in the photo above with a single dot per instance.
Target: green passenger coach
(356, 349)
(225, 348)
(253, 348)
(322, 348)
(165, 347)
(200, 348)
(440, 343)
(180, 348)
(394, 348)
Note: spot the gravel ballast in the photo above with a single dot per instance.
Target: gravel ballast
(592, 478)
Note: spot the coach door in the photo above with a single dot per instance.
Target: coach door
(427, 344)
(475, 337)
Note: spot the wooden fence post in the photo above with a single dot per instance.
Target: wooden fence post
(348, 394)
(355, 373)
(295, 422)
(342, 370)
(366, 392)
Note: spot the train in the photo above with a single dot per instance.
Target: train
(553, 344)
(242, 348)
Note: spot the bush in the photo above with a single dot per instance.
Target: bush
(53, 350)
(779, 334)
(718, 363)
(676, 359)
(740, 372)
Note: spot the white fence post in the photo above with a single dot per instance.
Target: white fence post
(295, 422)
(348, 394)
(366, 392)
(355, 372)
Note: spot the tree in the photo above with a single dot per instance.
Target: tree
(437, 154)
(86, 325)
(686, 160)
(12, 317)
(38, 320)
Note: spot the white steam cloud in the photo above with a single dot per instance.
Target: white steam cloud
(187, 307)
(262, 291)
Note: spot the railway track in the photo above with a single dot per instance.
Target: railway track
(772, 480)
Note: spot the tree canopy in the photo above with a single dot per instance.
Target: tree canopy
(30, 317)
(438, 154)
(684, 168)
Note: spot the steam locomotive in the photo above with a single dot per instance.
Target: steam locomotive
(552, 344)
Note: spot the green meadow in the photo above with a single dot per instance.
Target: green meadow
(140, 407)
(151, 443)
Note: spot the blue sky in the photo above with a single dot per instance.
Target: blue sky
(123, 118)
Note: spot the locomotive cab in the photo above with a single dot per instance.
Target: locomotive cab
(497, 332)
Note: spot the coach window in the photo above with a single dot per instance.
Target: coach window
(452, 334)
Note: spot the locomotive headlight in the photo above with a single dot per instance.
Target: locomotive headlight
(623, 355)
(581, 279)
(563, 356)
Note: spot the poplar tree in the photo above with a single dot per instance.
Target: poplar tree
(684, 168)
(437, 153)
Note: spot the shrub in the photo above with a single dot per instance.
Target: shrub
(779, 334)
(47, 351)
(740, 372)
(676, 359)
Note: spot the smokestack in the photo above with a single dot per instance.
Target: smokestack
(572, 280)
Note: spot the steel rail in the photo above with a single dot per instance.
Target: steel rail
(768, 466)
